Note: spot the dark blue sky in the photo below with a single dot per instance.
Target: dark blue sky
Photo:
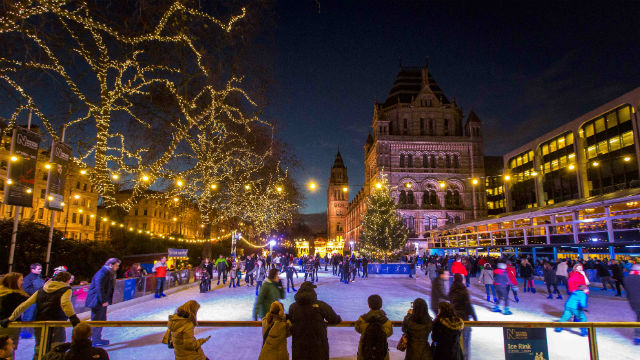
(524, 67)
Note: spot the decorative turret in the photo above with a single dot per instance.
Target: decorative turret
(337, 199)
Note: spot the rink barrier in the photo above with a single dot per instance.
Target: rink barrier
(591, 327)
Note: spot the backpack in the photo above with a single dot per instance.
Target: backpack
(374, 342)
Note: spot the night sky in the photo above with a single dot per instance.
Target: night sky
(525, 68)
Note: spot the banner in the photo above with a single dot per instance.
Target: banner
(22, 168)
(178, 253)
(129, 289)
(388, 269)
(525, 344)
(60, 156)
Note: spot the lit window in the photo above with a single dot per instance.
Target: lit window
(624, 114)
(627, 139)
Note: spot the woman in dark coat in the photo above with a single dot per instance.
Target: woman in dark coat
(438, 292)
(459, 297)
(417, 325)
(526, 271)
(447, 328)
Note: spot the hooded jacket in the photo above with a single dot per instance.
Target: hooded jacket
(458, 268)
(446, 339)
(417, 338)
(55, 300)
(185, 344)
(486, 277)
(363, 322)
(275, 345)
(10, 299)
(308, 326)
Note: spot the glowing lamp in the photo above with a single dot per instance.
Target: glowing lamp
(474, 181)
(14, 158)
(50, 198)
(47, 166)
(378, 185)
(627, 158)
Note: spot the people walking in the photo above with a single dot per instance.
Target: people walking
(271, 291)
(486, 279)
(309, 319)
(181, 333)
(446, 334)
(458, 268)
(632, 287)
(438, 291)
(31, 283)
(275, 331)
(365, 267)
(374, 328)
(574, 307)
(11, 296)
(417, 326)
(461, 302)
(160, 268)
(100, 295)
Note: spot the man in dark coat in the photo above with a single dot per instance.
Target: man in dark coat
(605, 276)
(438, 290)
(309, 318)
(30, 284)
(101, 295)
(632, 286)
(618, 276)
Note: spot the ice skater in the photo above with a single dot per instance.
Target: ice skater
(290, 270)
(486, 278)
(575, 307)
(501, 283)
(550, 279)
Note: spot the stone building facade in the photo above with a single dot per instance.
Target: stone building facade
(430, 154)
(337, 200)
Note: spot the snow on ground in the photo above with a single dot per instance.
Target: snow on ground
(350, 301)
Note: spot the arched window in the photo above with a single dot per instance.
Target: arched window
(434, 223)
(401, 160)
(410, 199)
(448, 198)
(433, 162)
(456, 161)
(447, 160)
(433, 197)
(410, 160)
(403, 197)
(456, 197)
(411, 224)
(425, 161)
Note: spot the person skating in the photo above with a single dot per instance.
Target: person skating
(275, 331)
(232, 276)
(576, 278)
(100, 295)
(261, 274)
(526, 271)
(346, 270)
(11, 296)
(502, 283)
(461, 302)
(617, 271)
(550, 279)
(53, 303)
(513, 281)
(308, 270)
(205, 280)
(160, 268)
(375, 328)
(604, 273)
(632, 287)
(181, 332)
(365, 267)
(221, 268)
(438, 291)
(574, 307)
(309, 319)
(562, 274)
(290, 270)
(446, 334)
(249, 267)
(31, 283)
(80, 347)
(486, 279)
(417, 325)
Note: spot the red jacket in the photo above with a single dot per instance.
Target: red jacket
(511, 270)
(458, 268)
(161, 271)
(575, 280)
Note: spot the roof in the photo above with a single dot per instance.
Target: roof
(408, 84)
(338, 163)
(473, 117)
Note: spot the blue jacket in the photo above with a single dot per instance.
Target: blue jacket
(577, 300)
(101, 288)
(32, 283)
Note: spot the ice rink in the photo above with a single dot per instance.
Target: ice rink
(350, 301)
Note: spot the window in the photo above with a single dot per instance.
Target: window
(433, 162)
(456, 161)
(425, 161)
(40, 213)
(73, 218)
(624, 114)
(410, 161)
(430, 126)
(43, 193)
(81, 218)
(87, 222)
(45, 176)
(401, 160)
(627, 138)
(78, 185)
(145, 212)
(84, 187)
(135, 212)
(447, 161)
(422, 129)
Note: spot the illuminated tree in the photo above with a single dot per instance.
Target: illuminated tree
(127, 88)
(383, 233)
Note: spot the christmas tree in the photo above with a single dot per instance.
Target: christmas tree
(383, 233)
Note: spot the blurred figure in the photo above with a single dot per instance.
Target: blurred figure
(447, 330)
(80, 347)
(11, 296)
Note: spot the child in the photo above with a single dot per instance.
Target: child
(575, 306)
(374, 328)
(275, 330)
(205, 280)
(232, 275)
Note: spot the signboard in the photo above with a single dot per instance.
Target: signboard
(22, 168)
(525, 343)
(178, 253)
(129, 291)
(60, 156)
(389, 269)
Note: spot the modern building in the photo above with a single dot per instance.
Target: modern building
(574, 190)
(78, 218)
(430, 154)
(494, 184)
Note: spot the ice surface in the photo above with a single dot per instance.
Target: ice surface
(350, 301)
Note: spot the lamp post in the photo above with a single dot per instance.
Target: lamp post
(272, 243)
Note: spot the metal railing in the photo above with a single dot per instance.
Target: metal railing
(46, 326)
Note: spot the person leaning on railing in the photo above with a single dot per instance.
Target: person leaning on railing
(11, 296)
(80, 347)
(417, 326)
(53, 303)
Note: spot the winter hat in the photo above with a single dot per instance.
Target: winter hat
(307, 285)
(502, 266)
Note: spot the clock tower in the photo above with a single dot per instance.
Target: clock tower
(337, 200)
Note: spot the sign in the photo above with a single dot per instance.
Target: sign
(389, 269)
(129, 289)
(525, 343)
(22, 171)
(178, 253)
(60, 156)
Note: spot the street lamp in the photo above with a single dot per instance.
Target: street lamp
(272, 243)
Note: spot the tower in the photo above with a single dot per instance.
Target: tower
(337, 200)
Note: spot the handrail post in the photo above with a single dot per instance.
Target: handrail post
(593, 343)
(44, 336)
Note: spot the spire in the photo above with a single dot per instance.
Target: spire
(338, 163)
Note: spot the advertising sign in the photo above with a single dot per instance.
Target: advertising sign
(129, 291)
(524, 343)
(22, 168)
(178, 253)
(389, 269)
(60, 156)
